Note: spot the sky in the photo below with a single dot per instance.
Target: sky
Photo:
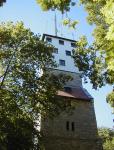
(41, 22)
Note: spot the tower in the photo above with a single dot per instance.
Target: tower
(76, 130)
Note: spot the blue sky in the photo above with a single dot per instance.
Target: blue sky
(43, 22)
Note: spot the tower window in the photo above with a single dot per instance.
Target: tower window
(68, 53)
(73, 45)
(55, 50)
(73, 126)
(68, 89)
(67, 125)
(48, 39)
(62, 62)
(61, 42)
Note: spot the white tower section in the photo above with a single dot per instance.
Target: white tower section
(63, 58)
(63, 52)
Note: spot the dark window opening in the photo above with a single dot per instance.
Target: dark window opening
(55, 50)
(68, 53)
(62, 62)
(68, 89)
(73, 126)
(48, 39)
(73, 44)
(61, 42)
(67, 125)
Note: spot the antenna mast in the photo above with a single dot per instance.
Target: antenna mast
(55, 24)
(72, 35)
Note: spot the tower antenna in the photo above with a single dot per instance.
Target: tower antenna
(55, 20)
(61, 25)
(72, 35)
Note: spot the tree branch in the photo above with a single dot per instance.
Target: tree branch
(4, 76)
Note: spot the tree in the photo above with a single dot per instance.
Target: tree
(107, 136)
(25, 93)
(1, 2)
(101, 14)
(96, 61)
(55, 4)
(93, 65)
(17, 129)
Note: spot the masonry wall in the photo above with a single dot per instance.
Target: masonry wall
(84, 136)
(76, 79)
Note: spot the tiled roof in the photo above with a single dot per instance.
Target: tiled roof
(76, 93)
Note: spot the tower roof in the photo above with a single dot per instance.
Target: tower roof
(58, 37)
(76, 93)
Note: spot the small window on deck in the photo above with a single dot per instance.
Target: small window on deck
(61, 42)
(73, 44)
(55, 50)
(48, 39)
(62, 62)
(68, 53)
(68, 89)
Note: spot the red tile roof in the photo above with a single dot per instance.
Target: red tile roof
(76, 93)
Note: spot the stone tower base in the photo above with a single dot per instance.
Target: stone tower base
(55, 143)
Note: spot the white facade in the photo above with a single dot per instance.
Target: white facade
(61, 54)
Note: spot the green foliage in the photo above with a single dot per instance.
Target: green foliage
(89, 63)
(56, 4)
(101, 14)
(70, 24)
(1, 2)
(24, 91)
(93, 65)
(110, 99)
(17, 129)
(107, 136)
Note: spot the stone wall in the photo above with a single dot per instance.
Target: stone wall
(54, 143)
(83, 137)
(76, 79)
